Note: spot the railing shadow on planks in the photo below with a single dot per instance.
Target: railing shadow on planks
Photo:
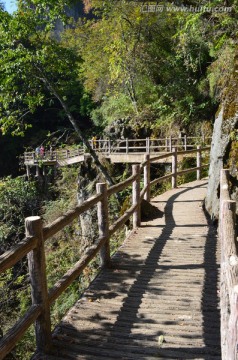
(36, 235)
(229, 271)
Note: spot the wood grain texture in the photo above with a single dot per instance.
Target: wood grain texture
(38, 281)
(160, 298)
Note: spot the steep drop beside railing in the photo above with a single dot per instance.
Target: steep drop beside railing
(36, 235)
(229, 271)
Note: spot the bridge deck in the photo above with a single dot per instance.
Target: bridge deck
(160, 298)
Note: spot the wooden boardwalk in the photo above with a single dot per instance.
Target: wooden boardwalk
(160, 298)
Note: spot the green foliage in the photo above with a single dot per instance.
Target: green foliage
(18, 199)
(187, 163)
(34, 66)
(135, 62)
(233, 155)
(117, 106)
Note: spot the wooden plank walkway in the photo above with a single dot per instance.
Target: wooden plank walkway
(160, 298)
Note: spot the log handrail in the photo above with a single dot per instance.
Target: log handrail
(229, 271)
(36, 235)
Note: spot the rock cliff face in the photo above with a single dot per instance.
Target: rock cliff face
(219, 158)
(224, 147)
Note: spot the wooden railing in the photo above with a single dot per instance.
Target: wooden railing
(56, 155)
(126, 146)
(36, 235)
(229, 271)
(148, 145)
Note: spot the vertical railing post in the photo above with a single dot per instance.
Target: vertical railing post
(28, 172)
(199, 162)
(233, 322)
(174, 168)
(39, 292)
(185, 142)
(224, 191)
(103, 224)
(109, 147)
(136, 196)
(170, 143)
(228, 277)
(127, 146)
(148, 145)
(37, 170)
(147, 177)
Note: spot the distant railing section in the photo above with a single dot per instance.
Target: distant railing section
(229, 271)
(148, 145)
(32, 156)
(36, 235)
(107, 147)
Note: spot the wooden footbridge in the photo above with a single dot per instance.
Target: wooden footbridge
(157, 297)
(117, 151)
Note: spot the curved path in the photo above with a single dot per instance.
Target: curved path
(160, 299)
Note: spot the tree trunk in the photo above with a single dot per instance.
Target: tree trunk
(78, 131)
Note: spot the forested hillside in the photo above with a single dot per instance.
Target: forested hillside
(163, 68)
(145, 69)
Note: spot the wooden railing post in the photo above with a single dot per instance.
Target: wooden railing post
(136, 196)
(199, 158)
(37, 170)
(228, 278)
(103, 224)
(28, 171)
(224, 192)
(39, 292)
(174, 168)
(147, 145)
(170, 143)
(147, 177)
(109, 146)
(185, 142)
(127, 146)
(233, 325)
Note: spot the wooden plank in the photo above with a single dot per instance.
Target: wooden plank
(162, 282)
